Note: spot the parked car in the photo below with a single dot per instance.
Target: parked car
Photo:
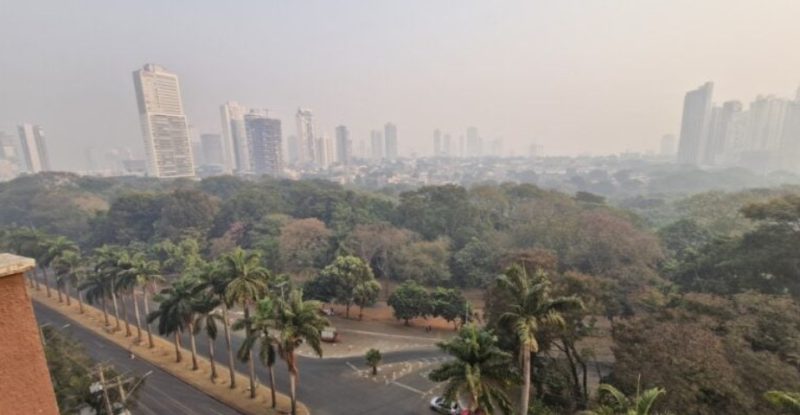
(330, 335)
(443, 406)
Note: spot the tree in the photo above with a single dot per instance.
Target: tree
(436, 211)
(365, 295)
(787, 401)
(410, 300)
(425, 262)
(304, 245)
(346, 274)
(97, 288)
(247, 283)
(55, 248)
(146, 273)
(207, 317)
(70, 271)
(531, 309)
(640, 404)
(186, 212)
(261, 335)
(175, 314)
(479, 370)
(373, 358)
(297, 322)
(450, 304)
(475, 264)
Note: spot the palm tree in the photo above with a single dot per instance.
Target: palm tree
(53, 249)
(24, 241)
(480, 371)
(641, 404)
(373, 358)
(69, 273)
(787, 401)
(97, 288)
(207, 317)
(145, 274)
(216, 282)
(175, 314)
(126, 282)
(298, 322)
(261, 326)
(531, 308)
(105, 265)
(247, 284)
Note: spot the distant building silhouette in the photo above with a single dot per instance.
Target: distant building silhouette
(344, 146)
(34, 148)
(390, 135)
(266, 148)
(695, 124)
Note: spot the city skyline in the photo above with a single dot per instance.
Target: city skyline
(528, 73)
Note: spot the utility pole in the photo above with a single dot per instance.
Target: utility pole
(106, 399)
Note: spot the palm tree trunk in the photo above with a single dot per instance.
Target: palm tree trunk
(251, 365)
(138, 317)
(105, 312)
(211, 358)
(116, 310)
(293, 390)
(360, 312)
(66, 293)
(58, 291)
(347, 311)
(194, 346)
(147, 323)
(125, 315)
(80, 301)
(526, 381)
(178, 356)
(225, 325)
(272, 385)
(46, 282)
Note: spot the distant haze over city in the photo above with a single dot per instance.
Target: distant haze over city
(573, 77)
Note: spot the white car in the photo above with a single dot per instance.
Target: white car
(443, 406)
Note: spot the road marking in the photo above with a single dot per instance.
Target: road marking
(411, 388)
(352, 366)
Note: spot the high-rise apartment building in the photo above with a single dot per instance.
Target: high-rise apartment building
(718, 132)
(164, 127)
(695, 124)
(266, 148)
(323, 151)
(34, 148)
(474, 145)
(211, 147)
(447, 150)
(437, 143)
(306, 140)
(236, 149)
(390, 135)
(344, 146)
(376, 140)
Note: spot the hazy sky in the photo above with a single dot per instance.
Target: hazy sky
(576, 76)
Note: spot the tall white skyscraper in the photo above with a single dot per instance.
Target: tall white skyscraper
(234, 138)
(344, 146)
(474, 145)
(34, 148)
(695, 124)
(164, 127)
(390, 135)
(376, 141)
(306, 142)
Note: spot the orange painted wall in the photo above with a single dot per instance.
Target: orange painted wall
(25, 386)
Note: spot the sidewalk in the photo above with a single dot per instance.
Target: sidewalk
(163, 356)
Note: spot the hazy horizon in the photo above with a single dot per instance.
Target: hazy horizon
(575, 77)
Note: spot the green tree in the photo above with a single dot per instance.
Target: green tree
(97, 287)
(425, 262)
(479, 371)
(475, 264)
(365, 295)
(346, 274)
(410, 300)
(207, 318)
(215, 280)
(640, 404)
(55, 248)
(373, 358)
(70, 271)
(298, 322)
(247, 284)
(450, 304)
(147, 275)
(175, 314)
(262, 326)
(786, 401)
(531, 309)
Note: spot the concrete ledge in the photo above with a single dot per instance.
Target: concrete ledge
(11, 264)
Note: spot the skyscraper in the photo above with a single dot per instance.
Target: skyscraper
(720, 124)
(234, 138)
(376, 139)
(474, 147)
(211, 147)
(390, 134)
(306, 142)
(323, 151)
(437, 143)
(695, 124)
(264, 136)
(446, 147)
(343, 145)
(34, 148)
(164, 127)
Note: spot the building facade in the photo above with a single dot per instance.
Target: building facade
(344, 146)
(306, 143)
(234, 138)
(266, 144)
(164, 127)
(390, 135)
(34, 148)
(695, 124)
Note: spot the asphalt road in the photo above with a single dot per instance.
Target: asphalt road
(161, 393)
